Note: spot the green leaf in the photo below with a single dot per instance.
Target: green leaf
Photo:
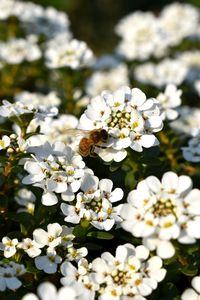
(101, 235)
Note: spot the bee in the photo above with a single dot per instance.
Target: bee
(90, 140)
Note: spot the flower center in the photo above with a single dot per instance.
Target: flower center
(119, 120)
(164, 207)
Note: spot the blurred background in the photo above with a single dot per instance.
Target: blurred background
(93, 21)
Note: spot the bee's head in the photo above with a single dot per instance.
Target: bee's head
(104, 135)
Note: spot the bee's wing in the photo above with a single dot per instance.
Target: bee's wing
(73, 132)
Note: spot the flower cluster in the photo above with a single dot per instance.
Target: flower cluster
(9, 273)
(57, 169)
(128, 274)
(144, 35)
(162, 211)
(99, 190)
(94, 204)
(129, 118)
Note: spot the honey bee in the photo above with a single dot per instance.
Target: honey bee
(90, 140)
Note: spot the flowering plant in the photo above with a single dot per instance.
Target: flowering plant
(99, 157)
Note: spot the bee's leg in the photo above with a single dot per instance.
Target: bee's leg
(92, 153)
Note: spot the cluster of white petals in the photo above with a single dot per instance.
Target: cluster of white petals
(169, 101)
(107, 80)
(192, 293)
(9, 273)
(68, 53)
(47, 290)
(192, 151)
(58, 129)
(179, 20)
(128, 274)
(37, 19)
(18, 108)
(188, 121)
(145, 35)
(37, 99)
(162, 211)
(95, 204)
(142, 36)
(15, 51)
(57, 169)
(129, 118)
(165, 72)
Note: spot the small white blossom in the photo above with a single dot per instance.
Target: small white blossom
(48, 263)
(169, 100)
(8, 246)
(4, 142)
(30, 247)
(50, 238)
(76, 254)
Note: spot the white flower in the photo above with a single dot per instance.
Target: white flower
(192, 151)
(4, 142)
(50, 238)
(67, 236)
(194, 292)
(188, 122)
(142, 36)
(129, 118)
(15, 51)
(179, 20)
(162, 211)
(74, 54)
(167, 71)
(107, 80)
(129, 272)
(47, 290)
(58, 129)
(30, 247)
(38, 99)
(8, 276)
(8, 246)
(169, 100)
(48, 263)
(57, 169)
(6, 9)
(76, 254)
(16, 109)
(95, 204)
